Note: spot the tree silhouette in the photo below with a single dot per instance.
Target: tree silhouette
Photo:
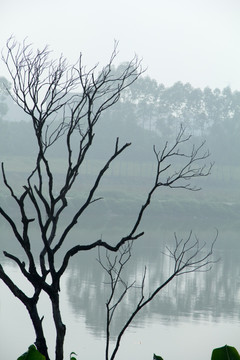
(47, 90)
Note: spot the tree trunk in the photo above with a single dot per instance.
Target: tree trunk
(60, 327)
(37, 324)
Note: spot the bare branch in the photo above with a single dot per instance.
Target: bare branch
(188, 257)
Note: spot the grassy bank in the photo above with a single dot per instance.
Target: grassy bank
(125, 187)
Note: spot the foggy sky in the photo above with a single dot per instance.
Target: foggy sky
(194, 41)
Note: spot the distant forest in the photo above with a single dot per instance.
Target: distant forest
(148, 113)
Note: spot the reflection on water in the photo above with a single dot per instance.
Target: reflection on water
(196, 311)
(206, 296)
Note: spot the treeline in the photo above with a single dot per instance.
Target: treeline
(147, 113)
(210, 114)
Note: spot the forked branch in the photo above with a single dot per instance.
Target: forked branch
(187, 256)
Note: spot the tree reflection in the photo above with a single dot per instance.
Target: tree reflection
(208, 296)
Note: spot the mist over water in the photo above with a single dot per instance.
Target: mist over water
(206, 304)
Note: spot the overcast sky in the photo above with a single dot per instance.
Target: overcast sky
(194, 41)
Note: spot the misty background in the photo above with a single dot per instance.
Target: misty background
(191, 54)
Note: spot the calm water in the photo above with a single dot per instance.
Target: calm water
(190, 317)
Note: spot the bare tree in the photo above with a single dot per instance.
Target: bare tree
(187, 256)
(44, 88)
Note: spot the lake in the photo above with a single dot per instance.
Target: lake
(195, 313)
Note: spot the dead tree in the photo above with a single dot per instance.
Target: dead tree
(44, 88)
(187, 256)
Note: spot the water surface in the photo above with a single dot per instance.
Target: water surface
(190, 317)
